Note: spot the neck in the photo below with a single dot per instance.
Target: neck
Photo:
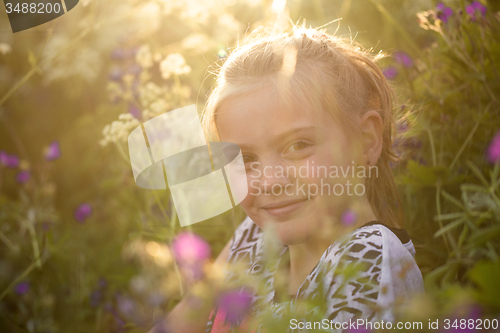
(305, 256)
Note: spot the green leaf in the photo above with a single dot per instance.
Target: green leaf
(449, 227)
(485, 274)
(484, 235)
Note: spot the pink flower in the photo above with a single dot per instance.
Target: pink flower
(53, 151)
(9, 160)
(349, 217)
(23, 176)
(190, 248)
(475, 7)
(83, 212)
(493, 153)
(22, 288)
(403, 58)
(236, 304)
(390, 72)
(444, 13)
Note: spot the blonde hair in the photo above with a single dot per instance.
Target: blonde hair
(311, 67)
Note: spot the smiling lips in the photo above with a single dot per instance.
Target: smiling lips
(285, 207)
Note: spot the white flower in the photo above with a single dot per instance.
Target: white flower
(174, 64)
(144, 57)
(197, 42)
(5, 48)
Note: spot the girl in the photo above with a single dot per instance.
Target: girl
(312, 115)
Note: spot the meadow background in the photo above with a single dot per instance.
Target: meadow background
(83, 249)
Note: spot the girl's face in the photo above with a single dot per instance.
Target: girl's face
(290, 157)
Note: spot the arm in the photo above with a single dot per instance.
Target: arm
(179, 319)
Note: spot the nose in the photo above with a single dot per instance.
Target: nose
(274, 177)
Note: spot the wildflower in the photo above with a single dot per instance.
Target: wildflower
(115, 74)
(390, 72)
(475, 7)
(189, 248)
(83, 212)
(403, 58)
(118, 54)
(103, 283)
(494, 149)
(53, 151)
(23, 176)
(144, 56)
(174, 64)
(22, 287)
(443, 12)
(134, 111)
(349, 217)
(9, 160)
(95, 298)
(236, 304)
(134, 69)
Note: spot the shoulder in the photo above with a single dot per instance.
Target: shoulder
(369, 268)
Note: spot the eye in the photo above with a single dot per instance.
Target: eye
(297, 146)
(249, 159)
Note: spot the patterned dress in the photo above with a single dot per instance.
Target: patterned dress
(386, 273)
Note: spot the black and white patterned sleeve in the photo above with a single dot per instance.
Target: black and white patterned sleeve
(363, 275)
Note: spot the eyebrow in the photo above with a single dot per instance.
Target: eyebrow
(285, 135)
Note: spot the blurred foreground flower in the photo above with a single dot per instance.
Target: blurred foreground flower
(236, 305)
(83, 212)
(474, 8)
(349, 217)
(22, 287)
(191, 251)
(494, 149)
(443, 12)
(9, 160)
(5, 48)
(174, 64)
(53, 151)
(23, 176)
(189, 247)
(390, 72)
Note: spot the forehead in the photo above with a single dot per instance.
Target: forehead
(263, 113)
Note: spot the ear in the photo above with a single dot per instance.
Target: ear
(372, 132)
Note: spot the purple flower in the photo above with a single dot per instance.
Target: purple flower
(190, 248)
(475, 7)
(95, 298)
(9, 160)
(23, 176)
(494, 149)
(134, 111)
(115, 74)
(403, 58)
(83, 212)
(134, 69)
(390, 72)
(236, 304)
(22, 287)
(443, 12)
(103, 283)
(403, 126)
(349, 217)
(53, 151)
(118, 54)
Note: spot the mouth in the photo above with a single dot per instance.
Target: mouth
(285, 207)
